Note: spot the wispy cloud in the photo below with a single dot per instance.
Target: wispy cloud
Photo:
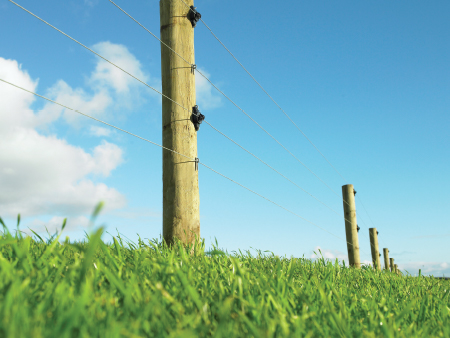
(99, 131)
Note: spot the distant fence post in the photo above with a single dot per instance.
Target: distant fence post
(351, 227)
(386, 258)
(373, 234)
(392, 264)
(396, 269)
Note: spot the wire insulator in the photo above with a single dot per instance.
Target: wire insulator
(194, 16)
(197, 117)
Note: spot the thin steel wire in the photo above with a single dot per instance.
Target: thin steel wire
(266, 131)
(229, 138)
(183, 156)
(268, 95)
(380, 241)
(193, 159)
(99, 55)
(150, 32)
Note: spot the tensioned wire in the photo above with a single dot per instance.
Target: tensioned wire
(267, 94)
(241, 108)
(188, 157)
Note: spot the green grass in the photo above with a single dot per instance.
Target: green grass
(93, 289)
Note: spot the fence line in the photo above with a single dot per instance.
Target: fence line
(178, 103)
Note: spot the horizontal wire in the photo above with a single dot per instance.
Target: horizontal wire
(275, 170)
(268, 94)
(77, 111)
(99, 55)
(97, 120)
(150, 32)
(381, 242)
(265, 130)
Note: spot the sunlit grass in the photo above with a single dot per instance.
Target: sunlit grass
(123, 289)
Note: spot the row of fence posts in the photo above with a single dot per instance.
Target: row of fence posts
(351, 231)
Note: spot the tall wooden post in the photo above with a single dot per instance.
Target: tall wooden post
(392, 264)
(181, 201)
(373, 234)
(386, 258)
(351, 231)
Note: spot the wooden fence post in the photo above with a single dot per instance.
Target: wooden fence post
(392, 264)
(351, 227)
(386, 258)
(373, 234)
(181, 200)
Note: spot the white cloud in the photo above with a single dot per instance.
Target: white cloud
(43, 174)
(106, 75)
(207, 96)
(77, 99)
(99, 131)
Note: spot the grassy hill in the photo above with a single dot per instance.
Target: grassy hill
(93, 289)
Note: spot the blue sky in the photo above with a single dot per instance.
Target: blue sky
(368, 83)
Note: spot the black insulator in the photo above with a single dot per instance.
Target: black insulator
(357, 228)
(194, 16)
(354, 192)
(197, 117)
